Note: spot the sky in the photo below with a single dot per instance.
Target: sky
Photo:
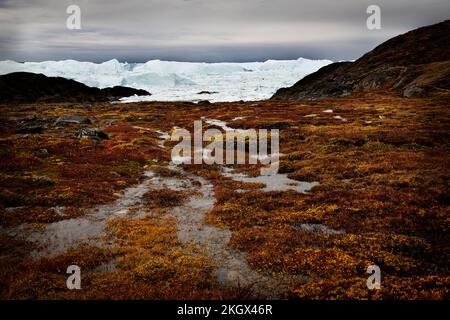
(205, 30)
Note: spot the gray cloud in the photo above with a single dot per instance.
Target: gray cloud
(205, 30)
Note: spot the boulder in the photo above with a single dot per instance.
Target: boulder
(73, 119)
(29, 128)
(41, 153)
(412, 91)
(207, 92)
(91, 133)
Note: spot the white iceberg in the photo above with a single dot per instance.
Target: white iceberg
(175, 81)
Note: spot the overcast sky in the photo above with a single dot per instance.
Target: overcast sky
(205, 30)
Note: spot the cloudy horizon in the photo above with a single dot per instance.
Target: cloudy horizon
(205, 31)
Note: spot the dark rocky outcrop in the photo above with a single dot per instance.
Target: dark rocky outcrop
(25, 87)
(120, 92)
(416, 63)
(29, 128)
(207, 92)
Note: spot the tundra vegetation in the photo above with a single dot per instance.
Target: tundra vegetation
(382, 164)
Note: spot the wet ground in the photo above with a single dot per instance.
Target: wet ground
(353, 189)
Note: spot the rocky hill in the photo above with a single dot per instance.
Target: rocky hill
(25, 87)
(416, 63)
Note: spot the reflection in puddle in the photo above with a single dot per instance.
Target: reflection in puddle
(232, 268)
(272, 157)
(340, 118)
(163, 136)
(223, 125)
(276, 182)
(61, 236)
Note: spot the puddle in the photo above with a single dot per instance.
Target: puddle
(232, 266)
(163, 136)
(273, 157)
(12, 209)
(218, 123)
(340, 118)
(310, 115)
(59, 237)
(223, 125)
(59, 210)
(180, 159)
(276, 182)
(328, 111)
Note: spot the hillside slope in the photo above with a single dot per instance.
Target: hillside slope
(416, 63)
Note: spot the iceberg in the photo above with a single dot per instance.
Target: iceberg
(180, 81)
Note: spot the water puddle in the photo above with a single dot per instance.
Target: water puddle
(223, 125)
(163, 136)
(340, 118)
(232, 266)
(276, 182)
(59, 237)
(270, 157)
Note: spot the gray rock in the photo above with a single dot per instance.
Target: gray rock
(29, 118)
(41, 153)
(43, 180)
(91, 133)
(73, 119)
(207, 92)
(412, 91)
(29, 128)
(316, 227)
